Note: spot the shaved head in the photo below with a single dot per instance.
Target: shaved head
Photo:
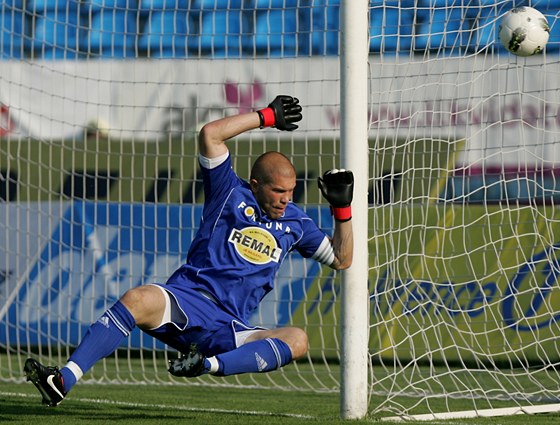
(273, 180)
(270, 164)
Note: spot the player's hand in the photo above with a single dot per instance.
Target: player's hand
(281, 113)
(287, 111)
(337, 186)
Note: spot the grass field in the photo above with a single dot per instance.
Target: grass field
(242, 399)
(20, 403)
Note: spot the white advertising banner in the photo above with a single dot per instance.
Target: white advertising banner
(507, 111)
(153, 99)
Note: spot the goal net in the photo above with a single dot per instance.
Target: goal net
(100, 103)
(463, 222)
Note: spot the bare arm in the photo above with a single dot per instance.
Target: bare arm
(337, 186)
(281, 113)
(343, 245)
(212, 137)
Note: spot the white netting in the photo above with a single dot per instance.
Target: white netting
(99, 106)
(464, 153)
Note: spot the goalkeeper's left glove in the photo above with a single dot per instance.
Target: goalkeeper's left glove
(281, 113)
(337, 186)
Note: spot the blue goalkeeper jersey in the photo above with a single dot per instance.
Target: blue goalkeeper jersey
(237, 250)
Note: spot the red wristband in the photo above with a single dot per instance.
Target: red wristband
(342, 214)
(267, 117)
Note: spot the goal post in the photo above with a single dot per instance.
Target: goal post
(355, 156)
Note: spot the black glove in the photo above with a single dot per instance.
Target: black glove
(281, 113)
(337, 186)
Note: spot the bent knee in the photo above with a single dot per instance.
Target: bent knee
(135, 298)
(145, 303)
(295, 338)
(299, 343)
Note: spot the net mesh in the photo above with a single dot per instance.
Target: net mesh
(100, 104)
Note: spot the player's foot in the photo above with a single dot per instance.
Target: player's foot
(189, 365)
(48, 381)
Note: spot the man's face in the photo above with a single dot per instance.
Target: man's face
(273, 197)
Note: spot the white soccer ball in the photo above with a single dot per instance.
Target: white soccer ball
(524, 31)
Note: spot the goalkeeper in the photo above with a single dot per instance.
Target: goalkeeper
(247, 230)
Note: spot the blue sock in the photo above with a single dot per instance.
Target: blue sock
(258, 356)
(102, 338)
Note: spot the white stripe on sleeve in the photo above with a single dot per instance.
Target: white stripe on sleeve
(325, 252)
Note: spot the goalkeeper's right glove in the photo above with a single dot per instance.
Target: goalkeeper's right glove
(281, 113)
(337, 186)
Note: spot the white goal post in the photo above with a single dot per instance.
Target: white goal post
(354, 156)
(451, 308)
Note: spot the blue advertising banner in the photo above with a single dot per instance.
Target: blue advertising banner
(68, 263)
(99, 250)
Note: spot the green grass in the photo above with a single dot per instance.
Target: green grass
(233, 400)
(168, 404)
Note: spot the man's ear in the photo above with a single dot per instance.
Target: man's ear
(254, 185)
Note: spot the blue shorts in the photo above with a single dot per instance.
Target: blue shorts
(196, 318)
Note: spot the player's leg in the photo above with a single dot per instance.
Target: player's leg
(142, 306)
(295, 338)
(222, 345)
(245, 350)
(260, 351)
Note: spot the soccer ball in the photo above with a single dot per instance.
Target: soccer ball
(524, 31)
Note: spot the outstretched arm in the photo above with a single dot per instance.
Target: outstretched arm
(281, 113)
(337, 186)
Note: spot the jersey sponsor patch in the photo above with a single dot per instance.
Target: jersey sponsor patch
(255, 245)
